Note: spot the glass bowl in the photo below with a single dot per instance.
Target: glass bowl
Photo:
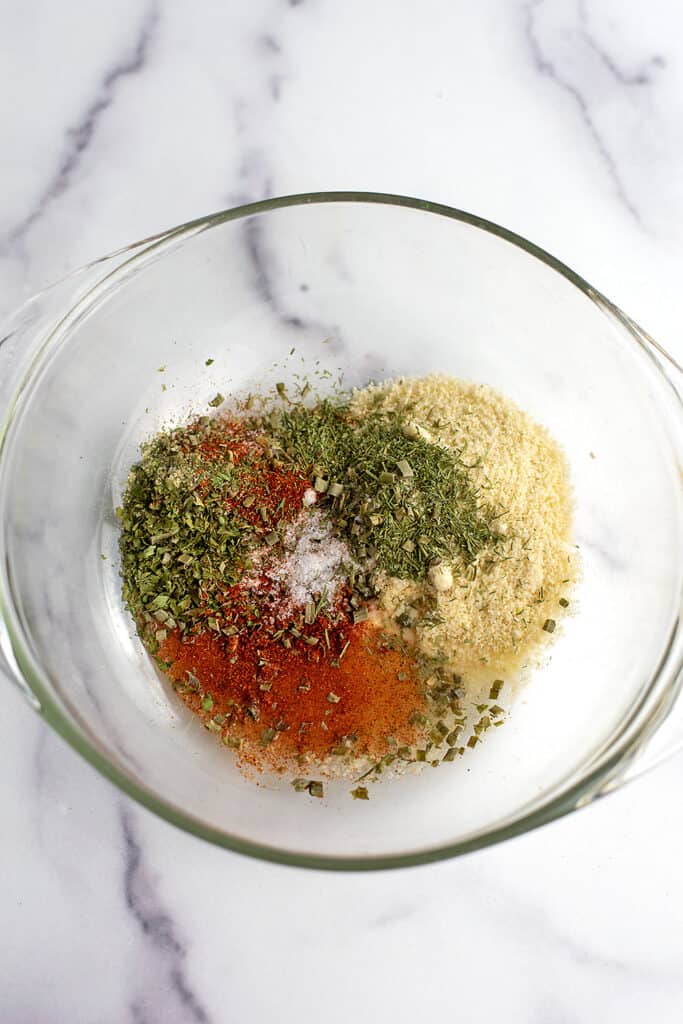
(373, 286)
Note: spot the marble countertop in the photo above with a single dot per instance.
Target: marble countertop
(560, 119)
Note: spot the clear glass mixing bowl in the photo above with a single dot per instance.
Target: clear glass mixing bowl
(377, 286)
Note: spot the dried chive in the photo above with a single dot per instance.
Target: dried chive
(494, 692)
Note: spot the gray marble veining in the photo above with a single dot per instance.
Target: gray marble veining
(166, 993)
(78, 137)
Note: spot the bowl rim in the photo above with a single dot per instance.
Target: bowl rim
(618, 753)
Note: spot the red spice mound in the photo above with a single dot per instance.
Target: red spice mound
(231, 440)
(273, 496)
(268, 494)
(281, 704)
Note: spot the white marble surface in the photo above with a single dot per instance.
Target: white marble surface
(559, 118)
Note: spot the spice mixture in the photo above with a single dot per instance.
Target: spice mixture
(335, 585)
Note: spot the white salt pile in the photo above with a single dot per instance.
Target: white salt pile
(316, 562)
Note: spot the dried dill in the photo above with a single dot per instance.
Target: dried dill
(403, 500)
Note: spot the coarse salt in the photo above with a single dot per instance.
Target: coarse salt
(316, 562)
